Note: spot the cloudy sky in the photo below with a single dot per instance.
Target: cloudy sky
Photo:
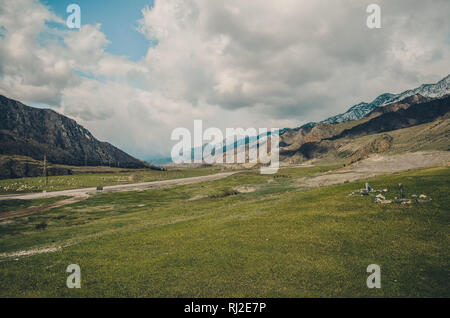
(138, 69)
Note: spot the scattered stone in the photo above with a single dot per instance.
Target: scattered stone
(381, 199)
(403, 201)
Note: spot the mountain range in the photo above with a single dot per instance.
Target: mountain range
(415, 119)
(297, 144)
(360, 110)
(411, 124)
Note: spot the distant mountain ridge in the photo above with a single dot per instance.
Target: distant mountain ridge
(35, 132)
(416, 113)
(385, 103)
(360, 110)
(380, 130)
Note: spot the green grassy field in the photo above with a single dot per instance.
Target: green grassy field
(278, 241)
(14, 204)
(113, 177)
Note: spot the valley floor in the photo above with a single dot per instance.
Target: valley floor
(247, 235)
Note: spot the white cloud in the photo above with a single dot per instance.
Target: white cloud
(236, 63)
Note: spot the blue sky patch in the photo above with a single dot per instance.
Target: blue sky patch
(118, 19)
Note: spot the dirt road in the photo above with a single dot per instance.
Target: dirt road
(42, 208)
(118, 188)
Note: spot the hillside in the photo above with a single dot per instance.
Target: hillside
(33, 132)
(415, 114)
(360, 110)
(415, 123)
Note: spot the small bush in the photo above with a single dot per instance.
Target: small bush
(41, 226)
(224, 194)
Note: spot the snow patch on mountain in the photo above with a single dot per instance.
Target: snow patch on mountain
(360, 110)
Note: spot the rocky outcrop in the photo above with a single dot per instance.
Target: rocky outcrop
(379, 144)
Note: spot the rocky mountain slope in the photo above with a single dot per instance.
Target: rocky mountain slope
(381, 130)
(360, 110)
(35, 132)
(416, 114)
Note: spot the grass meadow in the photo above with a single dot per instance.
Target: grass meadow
(112, 176)
(207, 240)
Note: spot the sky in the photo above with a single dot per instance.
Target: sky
(136, 70)
(118, 19)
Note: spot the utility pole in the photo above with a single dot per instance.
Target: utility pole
(45, 170)
(400, 187)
